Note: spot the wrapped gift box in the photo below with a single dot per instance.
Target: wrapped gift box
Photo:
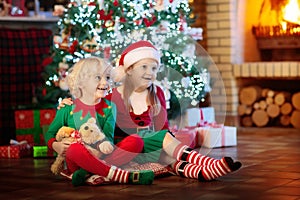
(194, 117)
(16, 151)
(217, 136)
(30, 124)
(42, 152)
(187, 136)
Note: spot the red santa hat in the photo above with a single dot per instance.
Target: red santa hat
(134, 53)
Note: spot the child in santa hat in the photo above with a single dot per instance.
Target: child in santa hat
(141, 110)
(88, 81)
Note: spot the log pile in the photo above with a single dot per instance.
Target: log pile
(266, 107)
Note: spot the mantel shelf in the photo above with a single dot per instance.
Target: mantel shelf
(44, 21)
(29, 19)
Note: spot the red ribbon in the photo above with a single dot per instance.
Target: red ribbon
(76, 135)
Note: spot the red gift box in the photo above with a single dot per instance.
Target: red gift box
(15, 151)
(31, 123)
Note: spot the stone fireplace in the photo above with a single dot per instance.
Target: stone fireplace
(234, 48)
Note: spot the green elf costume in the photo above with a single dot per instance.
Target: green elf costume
(79, 160)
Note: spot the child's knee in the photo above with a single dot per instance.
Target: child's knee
(74, 150)
(135, 142)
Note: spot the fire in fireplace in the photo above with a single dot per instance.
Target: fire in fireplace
(278, 32)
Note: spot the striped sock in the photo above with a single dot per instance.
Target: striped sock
(187, 170)
(219, 168)
(187, 154)
(118, 175)
(141, 177)
(198, 159)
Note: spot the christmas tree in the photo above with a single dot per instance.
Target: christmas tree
(105, 27)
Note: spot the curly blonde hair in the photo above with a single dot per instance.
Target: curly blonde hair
(83, 70)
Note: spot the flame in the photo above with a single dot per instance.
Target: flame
(291, 12)
(284, 20)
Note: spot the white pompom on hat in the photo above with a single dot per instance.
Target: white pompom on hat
(134, 53)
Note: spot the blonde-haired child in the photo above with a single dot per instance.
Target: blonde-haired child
(88, 81)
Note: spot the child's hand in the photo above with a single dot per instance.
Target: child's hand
(106, 147)
(65, 101)
(60, 147)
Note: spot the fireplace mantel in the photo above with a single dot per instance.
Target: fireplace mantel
(28, 22)
(275, 70)
(279, 48)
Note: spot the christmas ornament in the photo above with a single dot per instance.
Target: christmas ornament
(90, 46)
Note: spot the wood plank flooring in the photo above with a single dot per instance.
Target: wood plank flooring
(271, 170)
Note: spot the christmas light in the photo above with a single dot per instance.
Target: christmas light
(114, 26)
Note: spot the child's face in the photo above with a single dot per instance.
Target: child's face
(97, 85)
(143, 73)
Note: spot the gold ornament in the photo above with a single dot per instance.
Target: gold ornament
(90, 46)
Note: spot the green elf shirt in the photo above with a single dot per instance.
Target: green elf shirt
(75, 115)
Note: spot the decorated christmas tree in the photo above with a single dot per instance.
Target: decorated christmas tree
(105, 27)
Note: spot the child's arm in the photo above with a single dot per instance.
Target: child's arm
(110, 121)
(57, 123)
(64, 102)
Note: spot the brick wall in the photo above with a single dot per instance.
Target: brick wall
(221, 15)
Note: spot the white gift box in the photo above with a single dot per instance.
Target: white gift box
(194, 116)
(212, 137)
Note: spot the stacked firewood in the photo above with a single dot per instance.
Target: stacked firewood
(266, 107)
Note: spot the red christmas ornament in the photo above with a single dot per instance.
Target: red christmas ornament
(105, 17)
(149, 22)
(73, 47)
(116, 3)
(92, 4)
(122, 19)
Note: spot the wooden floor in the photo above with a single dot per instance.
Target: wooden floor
(271, 170)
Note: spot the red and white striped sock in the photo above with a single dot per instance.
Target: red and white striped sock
(118, 175)
(206, 173)
(219, 168)
(187, 170)
(185, 153)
